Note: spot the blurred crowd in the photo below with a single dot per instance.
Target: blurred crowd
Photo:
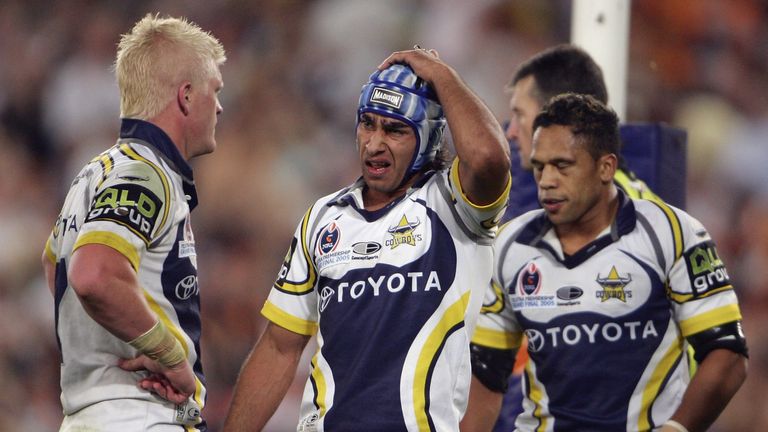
(286, 136)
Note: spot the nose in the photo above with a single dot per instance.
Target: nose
(512, 130)
(219, 108)
(375, 142)
(546, 177)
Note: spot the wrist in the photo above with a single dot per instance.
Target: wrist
(674, 425)
(159, 344)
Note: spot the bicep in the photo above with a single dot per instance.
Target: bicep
(95, 267)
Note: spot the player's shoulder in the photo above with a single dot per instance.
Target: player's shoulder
(509, 231)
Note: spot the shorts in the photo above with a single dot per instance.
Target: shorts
(126, 415)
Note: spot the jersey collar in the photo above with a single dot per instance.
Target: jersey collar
(534, 232)
(157, 138)
(353, 196)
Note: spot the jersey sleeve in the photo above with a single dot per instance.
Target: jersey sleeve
(292, 302)
(479, 218)
(699, 287)
(129, 209)
(497, 326)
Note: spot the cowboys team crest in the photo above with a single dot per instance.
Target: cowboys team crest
(613, 286)
(403, 233)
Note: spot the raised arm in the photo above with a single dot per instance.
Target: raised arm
(478, 138)
(264, 379)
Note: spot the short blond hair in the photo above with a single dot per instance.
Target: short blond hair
(156, 57)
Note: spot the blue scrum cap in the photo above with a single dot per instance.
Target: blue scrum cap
(398, 93)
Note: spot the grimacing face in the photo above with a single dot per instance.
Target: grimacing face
(570, 181)
(386, 147)
(523, 107)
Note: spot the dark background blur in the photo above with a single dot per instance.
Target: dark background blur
(287, 136)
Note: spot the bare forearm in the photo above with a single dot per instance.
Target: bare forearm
(482, 409)
(716, 381)
(477, 135)
(264, 379)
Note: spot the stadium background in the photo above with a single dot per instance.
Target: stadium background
(286, 136)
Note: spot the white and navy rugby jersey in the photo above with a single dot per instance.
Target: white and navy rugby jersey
(135, 197)
(393, 296)
(606, 325)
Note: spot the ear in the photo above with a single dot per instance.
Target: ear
(182, 97)
(607, 166)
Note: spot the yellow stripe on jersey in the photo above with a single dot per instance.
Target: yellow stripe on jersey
(682, 298)
(428, 356)
(496, 339)
(288, 321)
(128, 151)
(713, 318)
(536, 395)
(674, 223)
(321, 386)
(634, 188)
(652, 389)
(49, 251)
(308, 284)
(162, 316)
(112, 240)
(107, 163)
(500, 201)
(498, 303)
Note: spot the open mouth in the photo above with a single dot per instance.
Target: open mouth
(377, 167)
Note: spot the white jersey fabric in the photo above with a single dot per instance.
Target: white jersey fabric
(136, 198)
(393, 296)
(606, 327)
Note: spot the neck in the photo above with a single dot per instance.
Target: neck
(377, 199)
(171, 124)
(574, 236)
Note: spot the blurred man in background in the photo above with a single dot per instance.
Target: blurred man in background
(121, 260)
(386, 271)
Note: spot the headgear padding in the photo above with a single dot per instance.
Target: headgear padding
(398, 93)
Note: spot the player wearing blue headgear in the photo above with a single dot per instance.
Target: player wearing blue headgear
(388, 272)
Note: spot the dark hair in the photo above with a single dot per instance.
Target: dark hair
(442, 159)
(562, 69)
(593, 123)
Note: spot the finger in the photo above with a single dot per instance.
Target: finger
(133, 364)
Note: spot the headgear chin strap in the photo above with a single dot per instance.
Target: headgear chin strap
(398, 93)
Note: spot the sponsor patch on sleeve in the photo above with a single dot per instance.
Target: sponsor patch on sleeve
(130, 205)
(705, 268)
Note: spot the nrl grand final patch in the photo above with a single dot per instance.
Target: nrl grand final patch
(130, 205)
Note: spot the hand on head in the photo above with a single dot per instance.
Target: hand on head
(424, 62)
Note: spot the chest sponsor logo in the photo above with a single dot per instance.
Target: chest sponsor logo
(365, 251)
(403, 233)
(380, 285)
(569, 295)
(386, 97)
(595, 333)
(187, 287)
(613, 286)
(527, 295)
